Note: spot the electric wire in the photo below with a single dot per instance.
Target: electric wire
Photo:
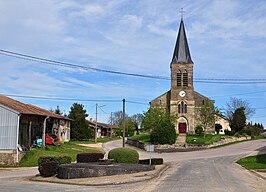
(71, 65)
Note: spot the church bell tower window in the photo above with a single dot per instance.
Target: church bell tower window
(179, 79)
(185, 78)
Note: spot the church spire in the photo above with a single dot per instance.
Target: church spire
(181, 53)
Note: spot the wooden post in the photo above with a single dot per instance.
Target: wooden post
(95, 134)
(124, 121)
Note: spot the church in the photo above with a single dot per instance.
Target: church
(182, 100)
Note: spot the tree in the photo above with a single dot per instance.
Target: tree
(239, 119)
(79, 127)
(117, 118)
(161, 126)
(205, 114)
(137, 119)
(235, 104)
(56, 111)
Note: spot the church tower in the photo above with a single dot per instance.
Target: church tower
(182, 102)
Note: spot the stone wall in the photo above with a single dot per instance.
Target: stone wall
(8, 157)
(136, 143)
(186, 147)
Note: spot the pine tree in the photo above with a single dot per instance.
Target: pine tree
(79, 127)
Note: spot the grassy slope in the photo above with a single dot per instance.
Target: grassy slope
(201, 139)
(99, 140)
(67, 149)
(253, 162)
(142, 137)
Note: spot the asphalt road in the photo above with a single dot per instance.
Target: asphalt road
(208, 170)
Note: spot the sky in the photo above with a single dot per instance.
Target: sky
(227, 39)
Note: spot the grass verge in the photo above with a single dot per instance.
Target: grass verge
(142, 137)
(99, 140)
(67, 149)
(202, 139)
(253, 162)
(231, 143)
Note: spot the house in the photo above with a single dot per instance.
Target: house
(21, 124)
(182, 100)
(103, 129)
(223, 122)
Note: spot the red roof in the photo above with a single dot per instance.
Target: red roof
(102, 124)
(27, 109)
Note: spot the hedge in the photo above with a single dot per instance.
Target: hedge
(154, 161)
(48, 166)
(89, 157)
(124, 155)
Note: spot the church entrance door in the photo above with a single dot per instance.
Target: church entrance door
(182, 128)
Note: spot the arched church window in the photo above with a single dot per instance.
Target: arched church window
(178, 78)
(182, 107)
(185, 78)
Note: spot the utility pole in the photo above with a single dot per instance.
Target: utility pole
(124, 121)
(95, 132)
(111, 118)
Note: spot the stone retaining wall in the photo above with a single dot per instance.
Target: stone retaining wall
(8, 157)
(185, 147)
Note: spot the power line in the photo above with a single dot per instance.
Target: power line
(248, 93)
(71, 65)
(103, 110)
(60, 99)
(136, 102)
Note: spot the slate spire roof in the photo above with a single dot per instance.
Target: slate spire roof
(181, 53)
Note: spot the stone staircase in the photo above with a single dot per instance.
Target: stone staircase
(181, 139)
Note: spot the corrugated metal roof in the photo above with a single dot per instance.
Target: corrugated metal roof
(27, 109)
(181, 53)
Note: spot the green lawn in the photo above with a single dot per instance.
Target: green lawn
(142, 137)
(99, 140)
(203, 139)
(67, 149)
(253, 162)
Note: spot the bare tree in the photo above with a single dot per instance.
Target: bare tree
(117, 118)
(235, 104)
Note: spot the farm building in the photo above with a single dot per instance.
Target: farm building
(21, 124)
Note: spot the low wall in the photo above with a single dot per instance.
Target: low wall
(8, 157)
(185, 147)
(136, 143)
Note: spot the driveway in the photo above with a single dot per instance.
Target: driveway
(208, 170)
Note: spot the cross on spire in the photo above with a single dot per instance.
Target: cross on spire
(182, 12)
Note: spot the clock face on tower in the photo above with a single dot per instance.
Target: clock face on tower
(182, 93)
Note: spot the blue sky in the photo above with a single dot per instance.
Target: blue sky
(227, 39)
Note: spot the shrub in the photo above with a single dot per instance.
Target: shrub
(199, 129)
(89, 157)
(48, 169)
(48, 166)
(164, 135)
(154, 161)
(124, 155)
(59, 160)
(227, 132)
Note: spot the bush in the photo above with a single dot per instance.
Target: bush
(124, 155)
(48, 166)
(48, 169)
(164, 135)
(227, 132)
(154, 161)
(89, 157)
(59, 160)
(199, 129)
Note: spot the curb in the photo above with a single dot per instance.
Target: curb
(147, 177)
(251, 171)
